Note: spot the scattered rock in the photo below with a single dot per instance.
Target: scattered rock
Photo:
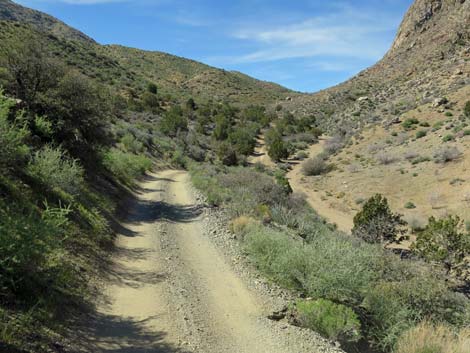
(439, 101)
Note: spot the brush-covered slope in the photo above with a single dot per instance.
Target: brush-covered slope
(133, 68)
(13, 12)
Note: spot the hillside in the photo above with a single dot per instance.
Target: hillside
(153, 203)
(428, 59)
(133, 68)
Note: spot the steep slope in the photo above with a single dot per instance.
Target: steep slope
(13, 12)
(428, 59)
(133, 68)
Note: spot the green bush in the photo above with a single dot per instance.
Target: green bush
(397, 306)
(126, 166)
(410, 123)
(442, 240)
(277, 148)
(351, 267)
(13, 135)
(243, 139)
(410, 205)
(331, 320)
(376, 223)
(54, 169)
(466, 109)
(448, 137)
(31, 249)
(131, 144)
(421, 134)
(173, 121)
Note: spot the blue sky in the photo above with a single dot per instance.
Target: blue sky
(306, 45)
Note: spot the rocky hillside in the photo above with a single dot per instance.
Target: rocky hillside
(133, 68)
(428, 60)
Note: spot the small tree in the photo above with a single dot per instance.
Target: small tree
(277, 149)
(173, 121)
(466, 109)
(443, 241)
(152, 88)
(376, 223)
(222, 127)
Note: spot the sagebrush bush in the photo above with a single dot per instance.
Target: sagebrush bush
(428, 337)
(333, 145)
(399, 305)
(126, 166)
(331, 320)
(315, 166)
(53, 168)
(386, 158)
(352, 267)
(447, 154)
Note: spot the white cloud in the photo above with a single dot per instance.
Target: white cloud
(343, 33)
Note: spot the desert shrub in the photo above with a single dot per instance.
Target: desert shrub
(420, 159)
(222, 127)
(277, 148)
(443, 241)
(52, 167)
(466, 109)
(301, 155)
(243, 139)
(173, 121)
(466, 132)
(30, 249)
(352, 267)
(241, 225)
(448, 138)
(283, 182)
(446, 154)
(421, 134)
(410, 205)
(315, 166)
(331, 320)
(13, 137)
(333, 145)
(427, 337)
(178, 159)
(411, 155)
(150, 101)
(410, 123)
(377, 223)
(131, 144)
(126, 166)
(226, 153)
(397, 306)
(152, 88)
(386, 158)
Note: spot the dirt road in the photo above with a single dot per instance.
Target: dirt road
(171, 289)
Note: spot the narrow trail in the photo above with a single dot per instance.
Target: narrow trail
(171, 290)
(300, 184)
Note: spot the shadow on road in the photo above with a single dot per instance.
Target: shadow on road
(111, 334)
(152, 211)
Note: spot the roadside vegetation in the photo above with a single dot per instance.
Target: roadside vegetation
(358, 290)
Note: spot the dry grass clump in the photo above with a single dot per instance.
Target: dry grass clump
(447, 154)
(430, 338)
(386, 158)
(315, 166)
(240, 225)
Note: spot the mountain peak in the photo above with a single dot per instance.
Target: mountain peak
(13, 12)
